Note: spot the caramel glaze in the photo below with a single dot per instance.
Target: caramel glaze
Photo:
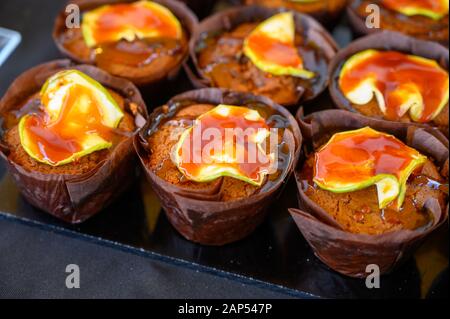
(372, 109)
(56, 141)
(235, 119)
(112, 20)
(270, 49)
(433, 5)
(346, 157)
(165, 134)
(358, 212)
(132, 60)
(222, 61)
(393, 70)
(33, 106)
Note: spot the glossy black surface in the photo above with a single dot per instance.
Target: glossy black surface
(275, 255)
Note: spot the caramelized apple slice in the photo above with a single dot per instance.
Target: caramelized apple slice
(434, 9)
(225, 141)
(271, 47)
(129, 21)
(400, 84)
(77, 118)
(55, 90)
(357, 159)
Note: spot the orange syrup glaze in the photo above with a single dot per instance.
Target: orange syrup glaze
(120, 16)
(57, 140)
(433, 5)
(270, 49)
(392, 69)
(235, 119)
(360, 156)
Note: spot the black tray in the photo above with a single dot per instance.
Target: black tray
(275, 256)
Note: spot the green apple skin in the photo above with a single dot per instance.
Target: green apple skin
(380, 181)
(112, 114)
(282, 25)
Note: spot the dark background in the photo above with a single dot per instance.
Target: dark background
(143, 257)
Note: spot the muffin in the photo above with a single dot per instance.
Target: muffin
(279, 54)
(393, 77)
(369, 190)
(145, 42)
(67, 134)
(222, 195)
(425, 20)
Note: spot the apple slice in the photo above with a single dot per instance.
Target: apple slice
(129, 21)
(225, 141)
(357, 159)
(434, 9)
(400, 84)
(77, 117)
(418, 111)
(271, 47)
(91, 143)
(56, 88)
(388, 189)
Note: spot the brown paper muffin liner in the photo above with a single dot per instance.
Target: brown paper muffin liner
(228, 19)
(199, 215)
(385, 40)
(74, 198)
(155, 79)
(350, 253)
(358, 24)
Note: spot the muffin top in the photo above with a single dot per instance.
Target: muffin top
(272, 57)
(395, 86)
(242, 150)
(141, 40)
(372, 183)
(68, 127)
